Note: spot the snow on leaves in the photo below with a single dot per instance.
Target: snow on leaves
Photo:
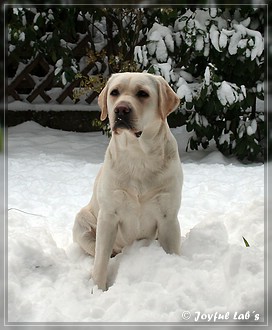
(229, 94)
(160, 41)
(213, 59)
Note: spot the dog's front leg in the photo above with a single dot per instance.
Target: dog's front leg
(169, 235)
(105, 238)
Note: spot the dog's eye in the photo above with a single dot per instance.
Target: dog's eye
(142, 93)
(114, 92)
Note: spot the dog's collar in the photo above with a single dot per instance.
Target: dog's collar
(138, 134)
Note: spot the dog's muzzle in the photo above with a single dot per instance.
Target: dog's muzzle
(123, 119)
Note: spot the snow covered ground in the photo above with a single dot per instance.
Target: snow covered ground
(50, 177)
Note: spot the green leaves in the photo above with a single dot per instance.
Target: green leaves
(223, 52)
(212, 57)
(47, 31)
(246, 242)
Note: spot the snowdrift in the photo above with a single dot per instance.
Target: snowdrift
(50, 177)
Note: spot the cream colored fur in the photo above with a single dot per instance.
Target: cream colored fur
(137, 192)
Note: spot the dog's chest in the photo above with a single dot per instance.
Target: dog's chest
(138, 188)
(137, 215)
(139, 205)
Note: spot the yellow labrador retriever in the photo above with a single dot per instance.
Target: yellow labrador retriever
(137, 192)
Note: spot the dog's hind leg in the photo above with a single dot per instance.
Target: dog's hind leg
(84, 231)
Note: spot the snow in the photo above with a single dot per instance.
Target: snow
(63, 78)
(22, 37)
(251, 127)
(154, 35)
(199, 45)
(186, 75)
(169, 42)
(201, 120)
(258, 47)
(203, 25)
(11, 48)
(138, 54)
(36, 17)
(164, 69)
(184, 91)
(59, 66)
(213, 12)
(159, 39)
(226, 93)
(177, 38)
(51, 175)
(246, 22)
(37, 105)
(225, 138)
(260, 87)
(241, 128)
(207, 76)
(223, 40)
(161, 51)
(253, 39)
(158, 31)
(214, 35)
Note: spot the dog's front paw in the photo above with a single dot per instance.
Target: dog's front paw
(99, 279)
(95, 288)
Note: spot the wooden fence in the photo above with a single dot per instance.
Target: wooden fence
(25, 81)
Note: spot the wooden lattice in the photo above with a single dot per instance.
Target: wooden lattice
(25, 80)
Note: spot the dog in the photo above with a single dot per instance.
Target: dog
(137, 192)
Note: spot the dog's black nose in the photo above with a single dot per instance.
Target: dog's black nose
(122, 109)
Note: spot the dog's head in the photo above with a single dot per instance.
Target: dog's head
(134, 100)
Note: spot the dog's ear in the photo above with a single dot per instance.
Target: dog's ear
(102, 102)
(168, 99)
